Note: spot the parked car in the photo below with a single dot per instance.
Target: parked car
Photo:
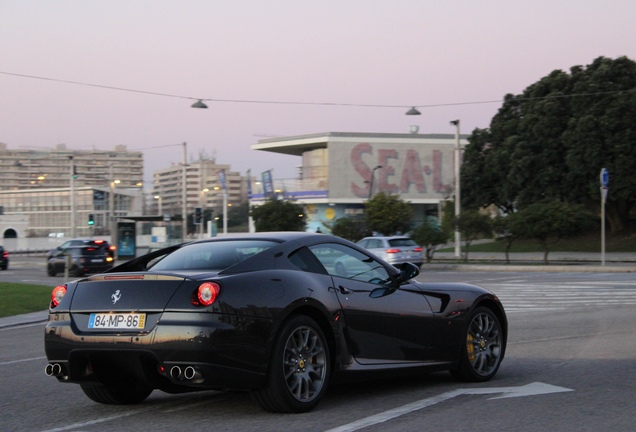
(394, 250)
(102, 244)
(264, 313)
(4, 259)
(84, 259)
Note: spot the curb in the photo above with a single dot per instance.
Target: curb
(28, 318)
(530, 268)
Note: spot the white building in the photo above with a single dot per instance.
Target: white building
(342, 170)
(200, 175)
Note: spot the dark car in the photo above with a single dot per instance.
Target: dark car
(265, 313)
(83, 260)
(4, 259)
(101, 244)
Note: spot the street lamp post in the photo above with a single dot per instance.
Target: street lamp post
(160, 210)
(458, 247)
(224, 212)
(202, 204)
(111, 205)
(72, 198)
(371, 182)
(184, 202)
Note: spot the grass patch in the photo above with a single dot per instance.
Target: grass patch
(584, 243)
(20, 298)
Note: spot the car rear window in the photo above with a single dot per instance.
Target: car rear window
(216, 255)
(86, 251)
(402, 242)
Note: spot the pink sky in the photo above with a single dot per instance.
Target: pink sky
(391, 52)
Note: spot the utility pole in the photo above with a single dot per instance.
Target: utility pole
(458, 158)
(72, 198)
(184, 195)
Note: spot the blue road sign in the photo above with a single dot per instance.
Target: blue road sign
(604, 177)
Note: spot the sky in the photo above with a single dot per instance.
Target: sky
(338, 54)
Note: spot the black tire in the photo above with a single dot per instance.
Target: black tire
(482, 348)
(4, 267)
(299, 368)
(116, 396)
(75, 271)
(50, 270)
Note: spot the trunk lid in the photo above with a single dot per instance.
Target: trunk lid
(127, 292)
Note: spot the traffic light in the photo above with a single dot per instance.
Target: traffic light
(198, 215)
(91, 219)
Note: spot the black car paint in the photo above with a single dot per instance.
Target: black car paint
(231, 340)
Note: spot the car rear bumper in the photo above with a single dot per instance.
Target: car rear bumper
(225, 352)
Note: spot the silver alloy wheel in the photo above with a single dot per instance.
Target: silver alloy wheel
(304, 365)
(483, 343)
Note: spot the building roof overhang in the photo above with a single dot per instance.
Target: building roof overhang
(297, 145)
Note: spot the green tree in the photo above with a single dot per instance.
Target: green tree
(388, 214)
(237, 215)
(552, 140)
(473, 225)
(349, 228)
(502, 227)
(279, 215)
(548, 222)
(429, 235)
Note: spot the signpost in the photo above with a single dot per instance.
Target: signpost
(604, 190)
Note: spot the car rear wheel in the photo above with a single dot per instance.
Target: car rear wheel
(299, 370)
(116, 396)
(482, 348)
(75, 271)
(50, 270)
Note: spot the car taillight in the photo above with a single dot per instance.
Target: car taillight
(392, 250)
(98, 241)
(417, 250)
(109, 259)
(58, 295)
(113, 248)
(206, 294)
(6, 254)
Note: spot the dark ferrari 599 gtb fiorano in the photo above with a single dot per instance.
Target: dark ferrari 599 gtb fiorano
(276, 314)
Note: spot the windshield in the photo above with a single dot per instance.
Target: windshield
(216, 255)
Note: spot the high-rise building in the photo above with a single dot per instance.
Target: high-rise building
(200, 175)
(38, 169)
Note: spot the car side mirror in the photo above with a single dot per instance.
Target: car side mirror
(407, 271)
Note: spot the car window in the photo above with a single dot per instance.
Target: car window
(402, 242)
(363, 243)
(216, 255)
(343, 261)
(375, 244)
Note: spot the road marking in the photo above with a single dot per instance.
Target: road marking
(536, 388)
(160, 406)
(20, 361)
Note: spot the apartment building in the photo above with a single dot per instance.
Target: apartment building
(200, 175)
(38, 169)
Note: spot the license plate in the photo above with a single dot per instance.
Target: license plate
(97, 260)
(132, 321)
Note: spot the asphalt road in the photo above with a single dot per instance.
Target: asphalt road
(573, 333)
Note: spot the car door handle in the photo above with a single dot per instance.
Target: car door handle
(344, 290)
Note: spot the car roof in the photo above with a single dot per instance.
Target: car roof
(280, 236)
(387, 237)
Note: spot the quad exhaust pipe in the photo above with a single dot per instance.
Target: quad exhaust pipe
(189, 373)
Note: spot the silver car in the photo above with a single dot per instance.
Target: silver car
(394, 250)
